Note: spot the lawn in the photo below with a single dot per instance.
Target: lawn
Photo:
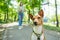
(50, 27)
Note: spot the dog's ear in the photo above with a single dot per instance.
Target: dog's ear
(41, 13)
(31, 16)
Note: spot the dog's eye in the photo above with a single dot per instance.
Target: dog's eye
(38, 17)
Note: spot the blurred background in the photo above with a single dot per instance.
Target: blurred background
(9, 12)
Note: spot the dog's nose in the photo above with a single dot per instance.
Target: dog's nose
(35, 23)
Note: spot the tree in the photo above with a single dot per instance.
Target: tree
(56, 14)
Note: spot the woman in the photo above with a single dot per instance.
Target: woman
(20, 14)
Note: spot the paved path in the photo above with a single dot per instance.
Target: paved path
(13, 33)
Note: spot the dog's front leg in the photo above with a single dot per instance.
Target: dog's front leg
(33, 37)
(42, 37)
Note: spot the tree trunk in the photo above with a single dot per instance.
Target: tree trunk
(57, 24)
(28, 16)
(14, 18)
(5, 17)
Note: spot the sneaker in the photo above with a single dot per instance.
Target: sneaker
(20, 27)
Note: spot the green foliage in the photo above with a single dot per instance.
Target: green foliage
(33, 3)
(24, 1)
(4, 5)
(9, 14)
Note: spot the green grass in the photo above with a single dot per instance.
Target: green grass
(50, 27)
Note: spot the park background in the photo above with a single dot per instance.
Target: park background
(9, 12)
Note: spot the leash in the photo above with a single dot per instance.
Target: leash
(38, 35)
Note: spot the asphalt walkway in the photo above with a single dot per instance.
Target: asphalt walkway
(13, 33)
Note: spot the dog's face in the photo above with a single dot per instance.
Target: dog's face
(38, 19)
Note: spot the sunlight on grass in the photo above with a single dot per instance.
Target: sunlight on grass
(51, 27)
(51, 24)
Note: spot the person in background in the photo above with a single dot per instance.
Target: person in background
(20, 14)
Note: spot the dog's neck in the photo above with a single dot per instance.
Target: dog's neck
(37, 29)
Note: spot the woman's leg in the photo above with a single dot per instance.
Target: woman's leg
(20, 19)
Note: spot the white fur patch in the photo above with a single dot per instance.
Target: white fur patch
(37, 30)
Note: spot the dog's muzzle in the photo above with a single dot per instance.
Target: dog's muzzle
(35, 23)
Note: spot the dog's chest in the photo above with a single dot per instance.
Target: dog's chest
(37, 30)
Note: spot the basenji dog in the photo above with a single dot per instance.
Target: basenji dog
(38, 32)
